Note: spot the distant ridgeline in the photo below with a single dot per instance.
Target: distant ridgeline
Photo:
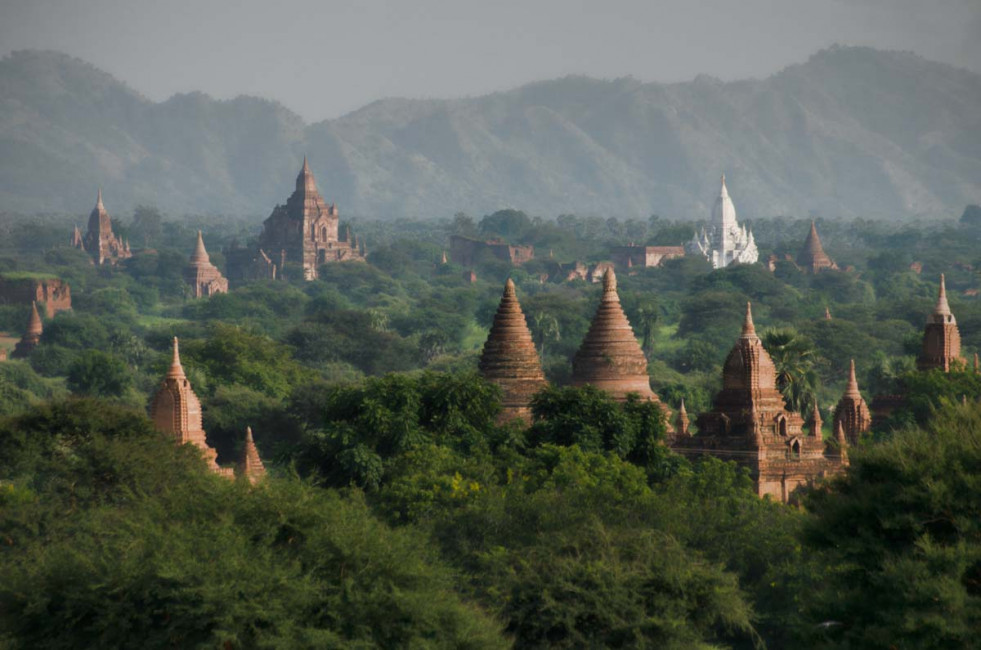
(802, 140)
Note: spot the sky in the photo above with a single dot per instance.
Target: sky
(324, 58)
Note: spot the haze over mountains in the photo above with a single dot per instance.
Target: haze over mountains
(851, 132)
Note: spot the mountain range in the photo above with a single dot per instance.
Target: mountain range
(851, 132)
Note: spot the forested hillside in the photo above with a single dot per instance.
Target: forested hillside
(851, 132)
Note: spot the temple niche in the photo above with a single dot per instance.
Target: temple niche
(99, 241)
(203, 277)
(751, 425)
(306, 230)
(610, 357)
(941, 338)
(724, 241)
(812, 257)
(509, 358)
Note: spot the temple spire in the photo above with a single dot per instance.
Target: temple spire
(942, 308)
(682, 422)
(200, 254)
(815, 421)
(610, 285)
(176, 369)
(34, 326)
(98, 201)
(852, 389)
(749, 330)
(250, 463)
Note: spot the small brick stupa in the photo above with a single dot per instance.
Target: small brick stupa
(812, 257)
(610, 357)
(99, 241)
(204, 277)
(852, 413)
(176, 411)
(250, 465)
(510, 360)
(32, 336)
(941, 338)
(750, 424)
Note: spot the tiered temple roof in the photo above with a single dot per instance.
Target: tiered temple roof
(99, 241)
(812, 257)
(610, 358)
(941, 338)
(32, 335)
(176, 411)
(203, 276)
(852, 413)
(750, 424)
(509, 358)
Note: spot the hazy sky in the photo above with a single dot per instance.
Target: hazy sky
(323, 58)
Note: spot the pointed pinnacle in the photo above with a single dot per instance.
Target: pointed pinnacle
(98, 201)
(749, 330)
(34, 326)
(942, 306)
(681, 409)
(509, 289)
(306, 166)
(248, 435)
(609, 281)
(176, 369)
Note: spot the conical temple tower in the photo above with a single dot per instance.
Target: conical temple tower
(610, 358)
(941, 338)
(250, 465)
(812, 257)
(176, 411)
(750, 423)
(204, 277)
(509, 358)
(852, 413)
(32, 335)
(682, 423)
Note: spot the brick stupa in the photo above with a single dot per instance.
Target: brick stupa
(941, 338)
(610, 358)
(750, 424)
(32, 336)
(812, 257)
(100, 242)
(204, 277)
(852, 413)
(176, 411)
(250, 464)
(510, 360)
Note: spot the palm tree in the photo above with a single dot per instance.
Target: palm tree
(794, 356)
(648, 317)
(546, 328)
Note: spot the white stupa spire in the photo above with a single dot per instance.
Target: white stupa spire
(725, 242)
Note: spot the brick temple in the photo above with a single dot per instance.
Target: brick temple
(32, 335)
(203, 277)
(852, 414)
(509, 358)
(99, 241)
(812, 257)
(306, 230)
(941, 338)
(750, 424)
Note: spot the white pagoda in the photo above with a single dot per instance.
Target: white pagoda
(724, 242)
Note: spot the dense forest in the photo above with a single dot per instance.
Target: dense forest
(400, 513)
